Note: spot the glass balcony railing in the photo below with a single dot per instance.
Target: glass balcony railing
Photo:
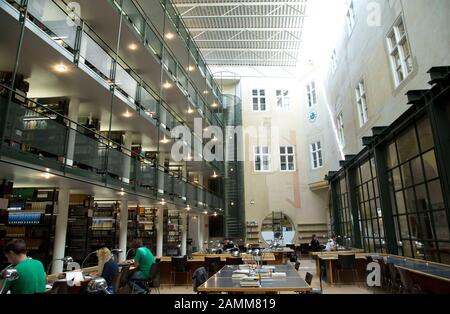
(170, 64)
(42, 138)
(100, 58)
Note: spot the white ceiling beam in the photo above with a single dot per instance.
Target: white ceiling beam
(250, 49)
(249, 40)
(190, 17)
(237, 29)
(222, 4)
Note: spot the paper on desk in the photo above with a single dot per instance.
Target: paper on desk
(242, 271)
(238, 276)
(74, 278)
(278, 275)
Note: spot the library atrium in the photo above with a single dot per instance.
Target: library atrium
(224, 146)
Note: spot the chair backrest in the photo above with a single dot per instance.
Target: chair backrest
(199, 277)
(346, 261)
(179, 263)
(234, 261)
(123, 276)
(212, 263)
(297, 265)
(406, 279)
(155, 275)
(308, 278)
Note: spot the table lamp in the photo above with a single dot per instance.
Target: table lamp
(66, 260)
(97, 285)
(84, 261)
(8, 274)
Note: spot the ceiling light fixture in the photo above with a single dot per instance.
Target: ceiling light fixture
(60, 68)
(127, 114)
(214, 175)
(163, 202)
(190, 110)
(205, 212)
(191, 68)
(167, 85)
(164, 140)
(132, 47)
(188, 208)
(170, 35)
(214, 105)
(205, 92)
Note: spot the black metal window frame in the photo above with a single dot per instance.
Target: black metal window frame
(369, 206)
(410, 186)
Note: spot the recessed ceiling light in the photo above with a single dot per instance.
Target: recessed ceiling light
(188, 208)
(205, 212)
(214, 175)
(167, 85)
(214, 139)
(60, 68)
(46, 175)
(164, 140)
(205, 92)
(191, 68)
(163, 201)
(214, 105)
(190, 110)
(132, 46)
(127, 114)
(170, 35)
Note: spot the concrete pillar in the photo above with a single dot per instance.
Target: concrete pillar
(159, 232)
(60, 229)
(74, 106)
(184, 221)
(200, 231)
(128, 140)
(123, 229)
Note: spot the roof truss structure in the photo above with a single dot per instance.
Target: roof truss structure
(247, 32)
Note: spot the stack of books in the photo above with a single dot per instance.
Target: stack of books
(249, 282)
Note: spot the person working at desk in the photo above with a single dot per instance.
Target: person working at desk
(315, 245)
(32, 278)
(331, 244)
(143, 261)
(107, 267)
(228, 245)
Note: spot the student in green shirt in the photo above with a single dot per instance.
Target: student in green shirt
(32, 278)
(143, 261)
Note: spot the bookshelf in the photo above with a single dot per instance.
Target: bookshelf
(30, 216)
(305, 232)
(252, 232)
(102, 230)
(142, 225)
(172, 232)
(77, 240)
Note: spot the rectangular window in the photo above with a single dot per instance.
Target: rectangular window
(350, 16)
(311, 92)
(333, 62)
(259, 100)
(287, 158)
(340, 128)
(361, 101)
(316, 155)
(400, 52)
(261, 158)
(283, 103)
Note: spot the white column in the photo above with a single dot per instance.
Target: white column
(183, 233)
(200, 232)
(60, 229)
(73, 116)
(123, 229)
(159, 232)
(128, 140)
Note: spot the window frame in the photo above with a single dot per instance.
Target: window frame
(286, 154)
(396, 51)
(314, 152)
(261, 155)
(259, 97)
(350, 17)
(311, 94)
(340, 128)
(285, 100)
(361, 103)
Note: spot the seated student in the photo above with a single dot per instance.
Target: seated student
(32, 278)
(315, 245)
(331, 244)
(143, 261)
(107, 267)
